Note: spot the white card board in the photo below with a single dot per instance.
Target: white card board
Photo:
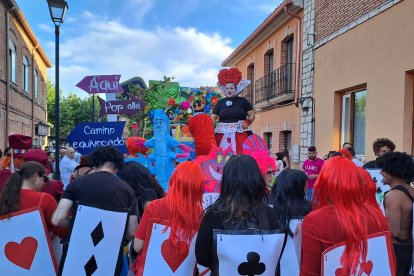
(378, 262)
(157, 264)
(248, 254)
(25, 250)
(290, 261)
(95, 241)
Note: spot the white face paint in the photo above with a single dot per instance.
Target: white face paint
(230, 90)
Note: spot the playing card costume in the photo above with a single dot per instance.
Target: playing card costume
(344, 209)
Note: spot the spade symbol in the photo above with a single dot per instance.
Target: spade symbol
(253, 266)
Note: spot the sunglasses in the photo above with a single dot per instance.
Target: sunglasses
(45, 178)
(270, 173)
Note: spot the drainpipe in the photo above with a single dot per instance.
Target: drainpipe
(298, 58)
(7, 75)
(33, 88)
(298, 51)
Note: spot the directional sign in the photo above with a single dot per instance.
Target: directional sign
(85, 137)
(101, 84)
(130, 107)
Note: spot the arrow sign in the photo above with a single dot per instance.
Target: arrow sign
(129, 107)
(101, 84)
(85, 137)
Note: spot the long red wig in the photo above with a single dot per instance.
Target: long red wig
(341, 184)
(185, 201)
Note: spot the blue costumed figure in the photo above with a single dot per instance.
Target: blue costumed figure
(164, 145)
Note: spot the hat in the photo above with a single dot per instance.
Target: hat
(37, 155)
(20, 144)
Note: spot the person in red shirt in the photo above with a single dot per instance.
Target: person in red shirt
(181, 210)
(344, 211)
(22, 191)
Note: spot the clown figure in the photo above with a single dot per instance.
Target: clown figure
(233, 113)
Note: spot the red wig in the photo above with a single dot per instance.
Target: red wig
(185, 201)
(229, 75)
(339, 184)
(346, 153)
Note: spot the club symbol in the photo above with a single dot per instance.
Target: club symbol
(253, 266)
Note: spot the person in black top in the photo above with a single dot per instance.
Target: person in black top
(398, 171)
(241, 203)
(288, 198)
(380, 147)
(140, 180)
(102, 189)
(234, 114)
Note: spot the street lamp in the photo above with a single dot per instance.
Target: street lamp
(57, 10)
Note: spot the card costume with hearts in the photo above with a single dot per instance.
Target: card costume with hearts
(232, 111)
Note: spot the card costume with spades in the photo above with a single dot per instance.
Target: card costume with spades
(233, 113)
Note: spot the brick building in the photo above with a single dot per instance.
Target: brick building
(271, 58)
(23, 66)
(361, 72)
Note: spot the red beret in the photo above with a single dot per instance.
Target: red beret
(37, 155)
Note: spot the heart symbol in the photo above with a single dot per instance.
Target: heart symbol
(339, 272)
(367, 267)
(171, 256)
(22, 254)
(229, 140)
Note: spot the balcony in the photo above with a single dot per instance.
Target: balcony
(278, 87)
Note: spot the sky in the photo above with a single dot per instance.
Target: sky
(184, 39)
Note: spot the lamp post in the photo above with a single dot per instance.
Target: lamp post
(57, 9)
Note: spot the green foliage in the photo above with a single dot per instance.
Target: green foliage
(73, 109)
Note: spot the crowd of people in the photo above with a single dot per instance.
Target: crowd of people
(335, 199)
(328, 202)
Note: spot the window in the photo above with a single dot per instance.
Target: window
(35, 84)
(289, 64)
(354, 120)
(269, 59)
(268, 137)
(12, 62)
(250, 89)
(25, 74)
(270, 77)
(285, 140)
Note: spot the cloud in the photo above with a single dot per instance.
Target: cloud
(46, 28)
(110, 47)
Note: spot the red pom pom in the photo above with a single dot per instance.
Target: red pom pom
(232, 75)
(136, 145)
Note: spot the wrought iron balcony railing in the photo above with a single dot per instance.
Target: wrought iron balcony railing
(277, 83)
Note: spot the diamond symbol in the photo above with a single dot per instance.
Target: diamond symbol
(97, 234)
(91, 266)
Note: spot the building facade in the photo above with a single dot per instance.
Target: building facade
(23, 78)
(271, 58)
(363, 74)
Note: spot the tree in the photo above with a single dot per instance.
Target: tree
(72, 109)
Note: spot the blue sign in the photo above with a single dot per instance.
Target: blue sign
(86, 137)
